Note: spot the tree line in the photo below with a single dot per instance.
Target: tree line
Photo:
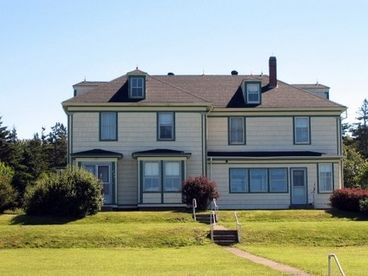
(355, 137)
(30, 158)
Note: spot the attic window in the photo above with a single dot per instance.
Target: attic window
(136, 87)
(253, 92)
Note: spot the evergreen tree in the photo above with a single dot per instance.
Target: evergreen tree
(360, 132)
(5, 150)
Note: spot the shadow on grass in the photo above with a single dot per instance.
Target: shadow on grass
(349, 215)
(40, 220)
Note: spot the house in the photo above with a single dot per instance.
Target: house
(267, 144)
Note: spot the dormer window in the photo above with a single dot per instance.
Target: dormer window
(253, 92)
(137, 87)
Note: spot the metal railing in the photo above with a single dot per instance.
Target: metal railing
(194, 206)
(212, 223)
(238, 225)
(333, 256)
(215, 208)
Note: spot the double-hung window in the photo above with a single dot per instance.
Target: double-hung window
(172, 176)
(136, 87)
(325, 177)
(236, 130)
(166, 126)
(151, 176)
(301, 130)
(253, 91)
(238, 180)
(108, 126)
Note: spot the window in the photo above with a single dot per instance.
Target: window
(301, 130)
(166, 126)
(253, 93)
(325, 178)
(236, 130)
(108, 126)
(238, 180)
(278, 180)
(258, 180)
(151, 177)
(136, 87)
(172, 177)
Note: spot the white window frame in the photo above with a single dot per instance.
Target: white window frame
(137, 86)
(249, 92)
(243, 141)
(298, 141)
(320, 178)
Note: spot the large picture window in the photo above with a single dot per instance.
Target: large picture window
(258, 180)
(236, 130)
(166, 126)
(301, 130)
(108, 126)
(325, 177)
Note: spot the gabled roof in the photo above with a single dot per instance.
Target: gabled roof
(310, 85)
(215, 90)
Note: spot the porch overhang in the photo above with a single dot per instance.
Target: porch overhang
(263, 154)
(97, 153)
(161, 153)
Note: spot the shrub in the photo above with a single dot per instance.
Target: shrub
(200, 188)
(363, 206)
(73, 192)
(7, 193)
(348, 199)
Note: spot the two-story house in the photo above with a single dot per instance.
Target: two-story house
(267, 144)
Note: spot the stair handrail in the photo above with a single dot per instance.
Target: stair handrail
(333, 256)
(238, 225)
(212, 223)
(215, 208)
(194, 206)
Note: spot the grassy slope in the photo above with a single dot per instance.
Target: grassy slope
(305, 238)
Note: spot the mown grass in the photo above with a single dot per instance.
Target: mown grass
(304, 238)
(199, 260)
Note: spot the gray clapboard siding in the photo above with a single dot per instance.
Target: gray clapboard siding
(274, 133)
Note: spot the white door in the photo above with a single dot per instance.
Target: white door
(102, 172)
(298, 186)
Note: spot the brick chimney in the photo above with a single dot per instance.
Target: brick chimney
(273, 72)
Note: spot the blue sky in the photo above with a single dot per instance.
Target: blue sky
(47, 46)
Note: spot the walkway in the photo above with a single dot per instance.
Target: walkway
(266, 262)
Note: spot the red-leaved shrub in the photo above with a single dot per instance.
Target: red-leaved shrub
(200, 188)
(347, 199)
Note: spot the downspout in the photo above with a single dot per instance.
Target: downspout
(206, 142)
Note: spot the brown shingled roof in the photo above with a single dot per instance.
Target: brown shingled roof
(217, 90)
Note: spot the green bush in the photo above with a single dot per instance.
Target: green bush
(73, 192)
(363, 205)
(200, 188)
(7, 193)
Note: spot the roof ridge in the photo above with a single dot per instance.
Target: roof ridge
(311, 94)
(181, 89)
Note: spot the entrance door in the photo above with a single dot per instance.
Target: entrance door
(103, 172)
(298, 186)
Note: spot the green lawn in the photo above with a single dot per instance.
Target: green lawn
(304, 238)
(198, 260)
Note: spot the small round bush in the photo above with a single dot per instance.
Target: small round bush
(73, 192)
(200, 188)
(348, 199)
(7, 193)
